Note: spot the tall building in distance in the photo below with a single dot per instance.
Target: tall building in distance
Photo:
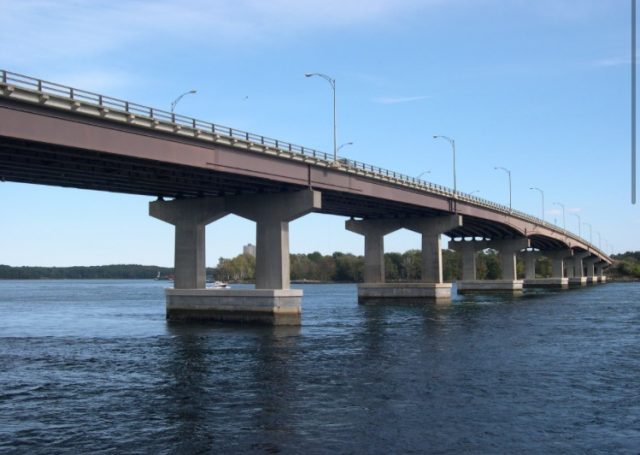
(249, 249)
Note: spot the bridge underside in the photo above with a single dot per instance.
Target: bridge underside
(46, 164)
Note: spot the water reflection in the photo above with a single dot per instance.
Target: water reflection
(208, 373)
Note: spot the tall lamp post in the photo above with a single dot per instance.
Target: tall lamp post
(564, 221)
(332, 83)
(579, 223)
(453, 149)
(509, 174)
(541, 194)
(177, 100)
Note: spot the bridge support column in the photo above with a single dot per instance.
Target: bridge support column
(589, 264)
(578, 278)
(189, 216)
(600, 266)
(557, 279)
(530, 258)
(468, 250)
(431, 287)
(530, 280)
(272, 302)
(507, 249)
(373, 232)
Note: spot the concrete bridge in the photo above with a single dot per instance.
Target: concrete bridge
(199, 172)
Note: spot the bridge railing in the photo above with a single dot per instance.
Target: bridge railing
(106, 102)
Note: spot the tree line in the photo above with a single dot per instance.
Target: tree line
(337, 267)
(342, 267)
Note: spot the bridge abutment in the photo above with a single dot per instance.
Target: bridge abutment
(272, 302)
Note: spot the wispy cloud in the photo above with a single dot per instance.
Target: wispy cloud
(574, 210)
(36, 30)
(612, 61)
(399, 99)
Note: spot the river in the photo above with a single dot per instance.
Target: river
(92, 366)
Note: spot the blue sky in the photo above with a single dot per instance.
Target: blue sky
(539, 87)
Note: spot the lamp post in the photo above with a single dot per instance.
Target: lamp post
(579, 223)
(508, 173)
(541, 194)
(599, 240)
(590, 231)
(474, 191)
(177, 100)
(564, 221)
(453, 149)
(422, 173)
(344, 145)
(332, 83)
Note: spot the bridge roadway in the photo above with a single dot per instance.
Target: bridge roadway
(51, 134)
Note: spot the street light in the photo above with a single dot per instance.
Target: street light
(173, 105)
(453, 149)
(599, 240)
(541, 194)
(344, 145)
(564, 222)
(509, 173)
(579, 223)
(590, 232)
(332, 83)
(422, 173)
(474, 191)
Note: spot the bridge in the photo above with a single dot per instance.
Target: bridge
(51, 134)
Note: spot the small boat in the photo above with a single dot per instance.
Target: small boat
(161, 277)
(218, 285)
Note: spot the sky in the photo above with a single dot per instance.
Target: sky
(541, 88)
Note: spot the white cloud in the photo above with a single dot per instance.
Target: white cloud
(398, 100)
(34, 30)
(613, 61)
(574, 210)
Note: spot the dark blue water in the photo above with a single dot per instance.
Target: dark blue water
(92, 366)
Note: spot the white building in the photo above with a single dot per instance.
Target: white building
(249, 249)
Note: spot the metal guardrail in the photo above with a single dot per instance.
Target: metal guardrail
(82, 96)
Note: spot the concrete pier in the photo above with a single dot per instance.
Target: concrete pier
(551, 283)
(189, 216)
(557, 279)
(490, 286)
(576, 276)
(272, 302)
(468, 251)
(576, 281)
(530, 258)
(254, 306)
(507, 249)
(404, 292)
(431, 287)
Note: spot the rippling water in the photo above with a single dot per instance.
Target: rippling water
(92, 366)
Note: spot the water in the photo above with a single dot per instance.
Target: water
(92, 366)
